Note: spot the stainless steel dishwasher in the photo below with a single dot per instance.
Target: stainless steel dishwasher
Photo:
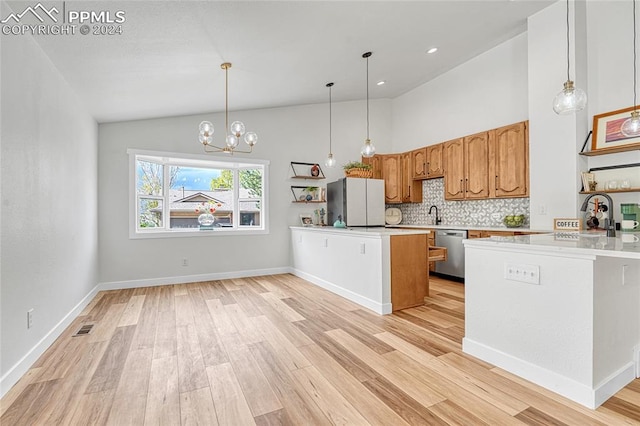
(451, 239)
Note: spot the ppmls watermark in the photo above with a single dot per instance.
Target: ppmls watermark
(57, 20)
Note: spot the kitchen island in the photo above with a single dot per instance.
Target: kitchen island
(560, 310)
(379, 268)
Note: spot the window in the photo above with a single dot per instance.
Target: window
(170, 192)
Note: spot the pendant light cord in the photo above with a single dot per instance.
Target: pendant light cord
(367, 97)
(568, 53)
(634, 57)
(226, 99)
(330, 132)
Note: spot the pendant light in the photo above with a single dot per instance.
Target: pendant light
(368, 149)
(233, 133)
(330, 161)
(571, 99)
(631, 126)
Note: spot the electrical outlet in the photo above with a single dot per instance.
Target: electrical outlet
(30, 318)
(524, 273)
(185, 262)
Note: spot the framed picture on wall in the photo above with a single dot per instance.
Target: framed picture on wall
(607, 133)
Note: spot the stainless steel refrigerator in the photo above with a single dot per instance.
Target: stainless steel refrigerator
(359, 202)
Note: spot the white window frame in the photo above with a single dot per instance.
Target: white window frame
(194, 160)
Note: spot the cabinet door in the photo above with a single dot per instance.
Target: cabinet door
(419, 163)
(376, 165)
(392, 178)
(434, 161)
(453, 159)
(510, 159)
(476, 165)
(411, 189)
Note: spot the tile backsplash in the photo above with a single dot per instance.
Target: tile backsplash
(474, 212)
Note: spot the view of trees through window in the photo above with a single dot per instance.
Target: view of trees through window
(171, 194)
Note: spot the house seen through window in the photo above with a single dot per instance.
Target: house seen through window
(172, 192)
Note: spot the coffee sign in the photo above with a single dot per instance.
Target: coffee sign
(564, 224)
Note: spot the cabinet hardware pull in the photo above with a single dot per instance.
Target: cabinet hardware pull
(461, 186)
(496, 182)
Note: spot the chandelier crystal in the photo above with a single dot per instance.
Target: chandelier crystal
(368, 149)
(571, 99)
(234, 132)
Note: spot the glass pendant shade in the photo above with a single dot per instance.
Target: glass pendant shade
(251, 138)
(237, 128)
(206, 128)
(571, 99)
(330, 161)
(631, 126)
(205, 140)
(368, 150)
(232, 141)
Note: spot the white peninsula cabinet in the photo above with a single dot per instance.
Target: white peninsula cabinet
(381, 269)
(562, 311)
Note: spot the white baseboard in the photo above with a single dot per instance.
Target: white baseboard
(379, 308)
(22, 366)
(152, 282)
(569, 388)
(14, 374)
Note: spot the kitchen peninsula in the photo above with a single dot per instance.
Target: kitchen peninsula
(558, 310)
(379, 268)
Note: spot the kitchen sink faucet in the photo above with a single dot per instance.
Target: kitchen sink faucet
(609, 223)
(438, 218)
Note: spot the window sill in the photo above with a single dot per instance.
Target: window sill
(193, 232)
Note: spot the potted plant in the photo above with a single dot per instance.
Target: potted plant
(312, 193)
(357, 169)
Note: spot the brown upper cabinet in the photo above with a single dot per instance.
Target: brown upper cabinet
(435, 166)
(453, 159)
(411, 189)
(476, 166)
(419, 163)
(392, 175)
(509, 161)
(376, 165)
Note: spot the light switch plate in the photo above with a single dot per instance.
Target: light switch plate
(529, 274)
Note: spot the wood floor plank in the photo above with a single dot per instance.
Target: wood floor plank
(619, 405)
(254, 384)
(196, 408)
(130, 400)
(163, 399)
(286, 351)
(246, 328)
(414, 388)
(131, 312)
(337, 409)
(165, 343)
(93, 408)
(281, 307)
(97, 298)
(274, 418)
(351, 389)
(213, 353)
(299, 406)
(166, 300)
(534, 417)
(191, 369)
(109, 370)
(228, 399)
(26, 409)
(147, 324)
(104, 328)
(453, 414)
(16, 391)
(224, 324)
(435, 317)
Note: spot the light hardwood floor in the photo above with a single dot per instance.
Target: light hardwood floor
(278, 350)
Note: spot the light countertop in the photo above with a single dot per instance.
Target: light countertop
(471, 227)
(597, 244)
(377, 231)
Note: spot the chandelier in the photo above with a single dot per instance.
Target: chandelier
(234, 132)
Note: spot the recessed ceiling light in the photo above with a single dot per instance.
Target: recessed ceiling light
(432, 50)
(381, 82)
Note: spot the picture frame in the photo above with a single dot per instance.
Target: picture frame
(306, 219)
(607, 134)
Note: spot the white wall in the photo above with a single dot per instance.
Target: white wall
(49, 207)
(285, 134)
(486, 92)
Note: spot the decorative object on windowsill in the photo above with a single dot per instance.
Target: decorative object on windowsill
(339, 223)
(368, 149)
(357, 169)
(206, 211)
(234, 133)
(571, 99)
(330, 161)
(631, 126)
